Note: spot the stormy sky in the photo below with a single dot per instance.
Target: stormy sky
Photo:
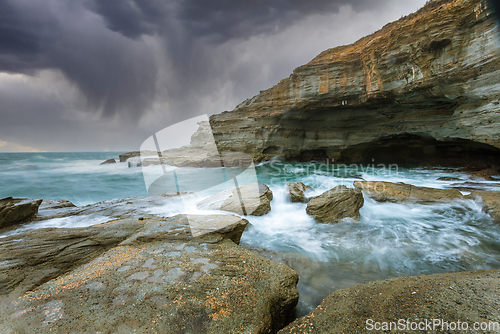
(99, 75)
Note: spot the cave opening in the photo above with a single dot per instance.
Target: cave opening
(414, 150)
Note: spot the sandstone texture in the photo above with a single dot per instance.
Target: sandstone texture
(401, 192)
(335, 204)
(422, 90)
(34, 257)
(52, 205)
(16, 210)
(467, 296)
(491, 203)
(252, 199)
(161, 279)
(296, 191)
(198, 157)
(125, 156)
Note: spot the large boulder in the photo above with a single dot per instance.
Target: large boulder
(297, 190)
(163, 279)
(466, 296)
(16, 210)
(255, 200)
(401, 192)
(491, 203)
(335, 204)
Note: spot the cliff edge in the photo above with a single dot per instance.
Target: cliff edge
(423, 89)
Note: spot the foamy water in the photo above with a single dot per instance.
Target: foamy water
(390, 239)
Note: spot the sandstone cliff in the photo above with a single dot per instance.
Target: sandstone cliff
(425, 88)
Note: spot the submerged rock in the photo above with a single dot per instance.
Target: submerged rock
(448, 178)
(297, 190)
(465, 296)
(163, 279)
(401, 192)
(491, 203)
(335, 204)
(255, 200)
(16, 210)
(109, 161)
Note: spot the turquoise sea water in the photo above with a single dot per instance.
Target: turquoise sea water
(390, 240)
(76, 177)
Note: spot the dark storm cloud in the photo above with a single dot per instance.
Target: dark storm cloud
(114, 50)
(226, 19)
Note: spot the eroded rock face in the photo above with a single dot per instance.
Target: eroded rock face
(401, 192)
(32, 258)
(468, 296)
(255, 200)
(297, 190)
(491, 203)
(423, 89)
(163, 279)
(15, 210)
(335, 204)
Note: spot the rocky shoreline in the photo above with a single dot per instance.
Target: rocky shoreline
(187, 273)
(422, 90)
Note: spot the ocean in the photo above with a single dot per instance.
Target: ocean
(390, 240)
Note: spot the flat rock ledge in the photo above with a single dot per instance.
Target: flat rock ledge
(160, 278)
(466, 296)
(382, 191)
(336, 204)
(252, 199)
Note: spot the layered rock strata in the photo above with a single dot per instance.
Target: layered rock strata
(423, 89)
(162, 278)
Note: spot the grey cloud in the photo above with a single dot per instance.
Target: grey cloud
(146, 64)
(220, 20)
(100, 45)
(112, 72)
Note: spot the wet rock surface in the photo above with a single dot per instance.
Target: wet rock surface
(109, 161)
(163, 279)
(53, 205)
(34, 257)
(119, 208)
(466, 296)
(336, 204)
(16, 210)
(401, 192)
(491, 203)
(252, 199)
(297, 192)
